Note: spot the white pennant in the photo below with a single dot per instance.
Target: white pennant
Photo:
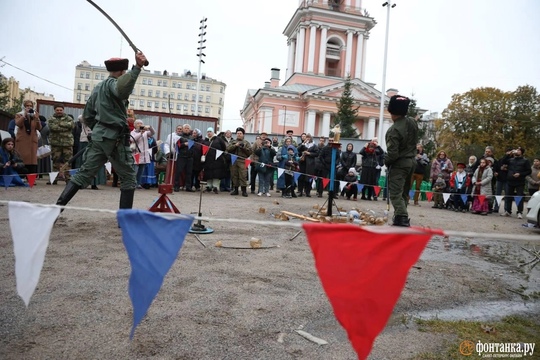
(149, 151)
(499, 199)
(108, 166)
(342, 184)
(218, 153)
(280, 172)
(446, 196)
(52, 176)
(30, 243)
(314, 184)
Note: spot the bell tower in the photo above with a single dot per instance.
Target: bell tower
(328, 38)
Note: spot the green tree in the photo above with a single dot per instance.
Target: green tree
(5, 100)
(346, 115)
(490, 116)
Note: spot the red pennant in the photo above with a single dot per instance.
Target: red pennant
(137, 157)
(248, 161)
(481, 198)
(429, 195)
(31, 179)
(377, 190)
(363, 272)
(325, 182)
(205, 149)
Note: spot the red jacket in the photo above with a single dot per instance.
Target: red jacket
(453, 184)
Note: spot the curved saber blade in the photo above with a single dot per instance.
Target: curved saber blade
(136, 49)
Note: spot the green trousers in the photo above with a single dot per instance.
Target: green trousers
(97, 154)
(399, 184)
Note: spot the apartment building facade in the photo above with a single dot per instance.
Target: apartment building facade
(160, 91)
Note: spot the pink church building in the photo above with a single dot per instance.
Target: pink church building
(327, 42)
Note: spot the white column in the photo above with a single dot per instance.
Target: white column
(358, 4)
(359, 59)
(347, 4)
(348, 53)
(310, 124)
(300, 40)
(386, 126)
(290, 62)
(325, 131)
(366, 37)
(311, 57)
(325, 2)
(322, 49)
(371, 129)
(267, 125)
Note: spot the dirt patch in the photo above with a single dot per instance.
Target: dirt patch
(236, 304)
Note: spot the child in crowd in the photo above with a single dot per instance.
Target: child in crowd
(351, 189)
(459, 183)
(438, 188)
(482, 187)
(10, 164)
(291, 165)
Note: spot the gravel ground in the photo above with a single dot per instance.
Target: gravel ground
(218, 303)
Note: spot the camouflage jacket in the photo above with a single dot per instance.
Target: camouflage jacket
(61, 130)
(242, 152)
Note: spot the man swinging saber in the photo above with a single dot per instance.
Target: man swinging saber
(105, 113)
(136, 49)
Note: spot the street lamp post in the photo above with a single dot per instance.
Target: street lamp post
(388, 5)
(201, 47)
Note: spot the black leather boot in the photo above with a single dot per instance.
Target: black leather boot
(244, 191)
(235, 191)
(126, 199)
(69, 191)
(401, 220)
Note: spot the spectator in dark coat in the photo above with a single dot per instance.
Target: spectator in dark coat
(214, 169)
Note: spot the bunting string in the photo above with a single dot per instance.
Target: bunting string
(296, 225)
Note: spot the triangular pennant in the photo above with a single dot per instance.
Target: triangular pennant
(205, 149)
(190, 143)
(151, 250)
(218, 153)
(429, 195)
(353, 262)
(31, 179)
(313, 183)
(137, 157)
(7, 180)
(108, 167)
(233, 159)
(481, 198)
(149, 152)
(52, 176)
(377, 190)
(360, 187)
(446, 196)
(464, 198)
(499, 199)
(30, 242)
(518, 199)
(73, 171)
(411, 193)
(280, 172)
(325, 182)
(247, 162)
(296, 176)
(342, 185)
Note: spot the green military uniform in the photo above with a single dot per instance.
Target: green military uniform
(238, 169)
(61, 141)
(106, 114)
(401, 140)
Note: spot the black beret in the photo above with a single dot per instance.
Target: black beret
(398, 105)
(116, 64)
(241, 129)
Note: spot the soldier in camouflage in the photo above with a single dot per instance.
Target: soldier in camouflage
(401, 140)
(61, 141)
(106, 114)
(241, 148)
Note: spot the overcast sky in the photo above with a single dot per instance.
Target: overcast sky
(436, 48)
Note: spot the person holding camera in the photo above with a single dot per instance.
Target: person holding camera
(519, 168)
(106, 114)
(26, 141)
(242, 149)
(139, 138)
